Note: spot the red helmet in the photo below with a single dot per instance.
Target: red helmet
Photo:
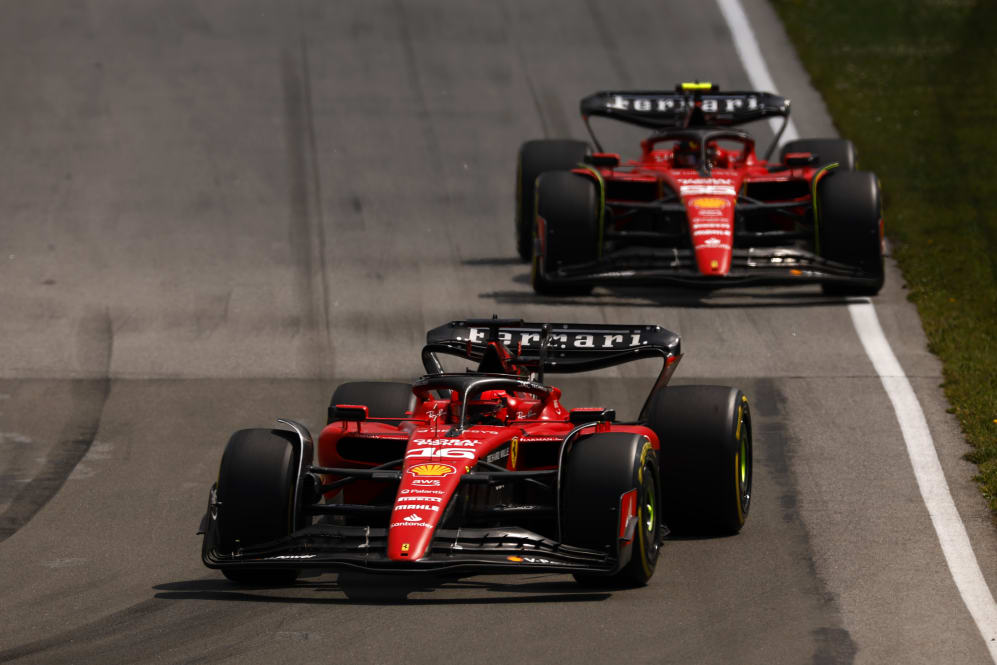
(488, 408)
(686, 154)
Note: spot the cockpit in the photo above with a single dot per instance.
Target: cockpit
(701, 149)
(481, 399)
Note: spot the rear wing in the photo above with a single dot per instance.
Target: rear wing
(690, 105)
(561, 348)
(570, 347)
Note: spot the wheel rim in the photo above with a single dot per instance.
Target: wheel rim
(649, 521)
(744, 464)
(649, 508)
(744, 468)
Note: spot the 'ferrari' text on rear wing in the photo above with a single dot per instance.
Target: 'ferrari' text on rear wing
(569, 347)
(561, 348)
(671, 109)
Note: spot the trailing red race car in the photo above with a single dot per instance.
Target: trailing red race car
(486, 470)
(698, 208)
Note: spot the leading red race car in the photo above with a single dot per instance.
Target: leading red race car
(486, 470)
(698, 207)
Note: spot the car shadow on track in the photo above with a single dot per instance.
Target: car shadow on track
(369, 589)
(658, 296)
(493, 261)
(674, 297)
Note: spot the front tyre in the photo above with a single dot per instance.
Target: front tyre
(536, 158)
(256, 483)
(568, 212)
(600, 471)
(849, 217)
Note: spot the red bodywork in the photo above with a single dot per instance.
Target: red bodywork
(699, 207)
(434, 461)
(709, 200)
(469, 474)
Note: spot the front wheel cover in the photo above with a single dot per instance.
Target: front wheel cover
(647, 539)
(647, 543)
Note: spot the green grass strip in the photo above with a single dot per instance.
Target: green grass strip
(914, 84)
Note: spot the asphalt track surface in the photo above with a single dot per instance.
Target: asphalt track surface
(213, 213)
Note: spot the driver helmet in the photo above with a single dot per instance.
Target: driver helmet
(488, 409)
(687, 154)
(712, 154)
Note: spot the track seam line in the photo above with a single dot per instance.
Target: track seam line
(949, 528)
(319, 201)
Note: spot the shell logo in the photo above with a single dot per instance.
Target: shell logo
(431, 470)
(709, 202)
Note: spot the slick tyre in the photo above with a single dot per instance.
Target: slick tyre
(599, 471)
(383, 399)
(849, 215)
(828, 151)
(256, 498)
(568, 229)
(705, 438)
(536, 158)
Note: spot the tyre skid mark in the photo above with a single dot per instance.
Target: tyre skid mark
(307, 220)
(95, 342)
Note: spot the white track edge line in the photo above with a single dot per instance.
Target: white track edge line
(949, 528)
(951, 532)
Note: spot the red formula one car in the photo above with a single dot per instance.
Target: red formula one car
(486, 470)
(698, 208)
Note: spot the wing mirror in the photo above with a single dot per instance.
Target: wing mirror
(800, 158)
(591, 414)
(348, 412)
(607, 159)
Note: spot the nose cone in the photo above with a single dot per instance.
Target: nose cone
(711, 227)
(713, 260)
(424, 492)
(434, 465)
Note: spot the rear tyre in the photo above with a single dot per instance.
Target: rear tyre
(568, 208)
(536, 158)
(849, 215)
(706, 458)
(383, 399)
(599, 470)
(256, 498)
(827, 151)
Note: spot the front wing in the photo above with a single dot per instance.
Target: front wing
(753, 266)
(337, 548)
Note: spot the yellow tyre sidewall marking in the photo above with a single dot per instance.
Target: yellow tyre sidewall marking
(640, 509)
(737, 460)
